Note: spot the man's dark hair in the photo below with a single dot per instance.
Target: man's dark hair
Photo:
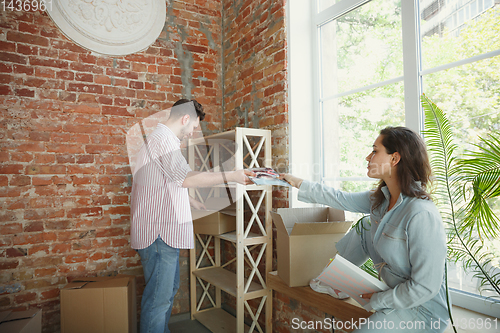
(179, 112)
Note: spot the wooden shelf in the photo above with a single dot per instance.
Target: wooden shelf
(248, 146)
(229, 135)
(223, 279)
(250, 240)
(251, 187)
(342, 309)
(218, 320)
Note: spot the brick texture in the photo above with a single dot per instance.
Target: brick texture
(65, 180)
(64, 175)
(255, 93)
(290, 315)
(255, 74)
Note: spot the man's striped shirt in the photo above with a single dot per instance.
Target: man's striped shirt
(159, 203)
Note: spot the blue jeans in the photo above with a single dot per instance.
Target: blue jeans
(160, 264)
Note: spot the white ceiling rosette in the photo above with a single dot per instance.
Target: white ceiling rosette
(110, 27)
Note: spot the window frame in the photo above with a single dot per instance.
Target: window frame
(304, 17)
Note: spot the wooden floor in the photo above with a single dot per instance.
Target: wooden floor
(183, 324)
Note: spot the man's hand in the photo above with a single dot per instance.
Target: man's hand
(241, 176)
(290, 179)
(196, 204)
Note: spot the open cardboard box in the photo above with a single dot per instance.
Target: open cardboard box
(29, 321)
(99, 305)
(219, 218)
(306, 239)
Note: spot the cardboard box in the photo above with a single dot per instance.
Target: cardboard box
(219, 218)
(99, 305)
(306, 239)
(29, 321)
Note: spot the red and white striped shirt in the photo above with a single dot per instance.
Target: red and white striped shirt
(159, 203)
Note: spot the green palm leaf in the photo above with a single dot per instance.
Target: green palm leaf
(439, 140)
(462, 190)
(481, 175)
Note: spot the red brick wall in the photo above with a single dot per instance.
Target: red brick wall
(255, 72)
(255, 95)
(64, 174)
(255, 82)
(290, 315)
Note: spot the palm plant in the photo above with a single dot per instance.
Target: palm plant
(463, 188)
(368, 265)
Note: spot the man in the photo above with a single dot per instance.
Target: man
(161, 222)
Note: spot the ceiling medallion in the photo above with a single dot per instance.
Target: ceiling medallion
(110, 27)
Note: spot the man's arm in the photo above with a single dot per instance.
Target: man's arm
(207, 179)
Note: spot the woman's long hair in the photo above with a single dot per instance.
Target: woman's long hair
(413, 166)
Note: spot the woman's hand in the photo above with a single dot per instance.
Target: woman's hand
(290, 179)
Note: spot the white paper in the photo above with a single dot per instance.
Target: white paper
(267, 176)
(345, 276)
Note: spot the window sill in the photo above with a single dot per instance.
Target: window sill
(465, 320)
(472, 322)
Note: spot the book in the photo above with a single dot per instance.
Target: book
(343, 275)
(267, 176)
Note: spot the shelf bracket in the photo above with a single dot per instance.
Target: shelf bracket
(255, 317)
(205, 293)
(204, 245)
(255, 266)
(255, 213)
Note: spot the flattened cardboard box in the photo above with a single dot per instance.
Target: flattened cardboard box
(99, 305)
(29, 321)
(306, 239)
(219, 218)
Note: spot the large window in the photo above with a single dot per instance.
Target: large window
(375, 58)
(461, 73)
(361, 90)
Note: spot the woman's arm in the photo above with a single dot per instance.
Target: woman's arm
(317, 193)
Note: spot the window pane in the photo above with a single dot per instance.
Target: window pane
(468, 95)
(362, 47)
(445, 40)
(324, 4)
(352, 123)
(459, 278)
(473, 9)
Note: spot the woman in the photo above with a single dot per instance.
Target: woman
(404, 236)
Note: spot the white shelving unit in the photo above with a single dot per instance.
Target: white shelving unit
(244, 276)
